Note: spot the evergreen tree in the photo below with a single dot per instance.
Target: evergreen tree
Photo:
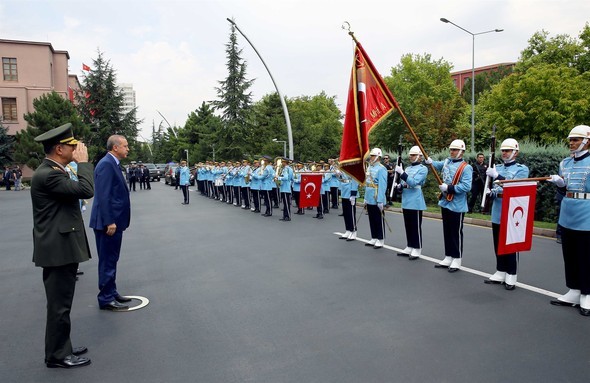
(51, 111)
(6, 146)
(199, 130)
(235, 133)
(101, 105)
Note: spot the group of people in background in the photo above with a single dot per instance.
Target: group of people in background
(138, 173)
(12, 176)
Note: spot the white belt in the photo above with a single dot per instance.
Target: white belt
(576, 195)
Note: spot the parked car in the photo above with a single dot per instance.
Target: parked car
(162, 167)
(154, 172)
(170, 175)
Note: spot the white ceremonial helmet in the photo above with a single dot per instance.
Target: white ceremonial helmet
(457, 144)
(509, 144)
(415, 150)
(376, 152)
(580, 131)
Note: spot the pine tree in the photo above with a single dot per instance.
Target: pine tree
(51, 110)
(234, 102)
(101, 105)
(6, 146)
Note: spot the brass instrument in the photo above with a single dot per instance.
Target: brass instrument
(248, 175)
(279, 170)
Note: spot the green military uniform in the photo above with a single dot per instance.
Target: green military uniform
(59, 237)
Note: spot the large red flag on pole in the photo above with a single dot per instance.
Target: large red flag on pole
(369, 102)
(518, 215)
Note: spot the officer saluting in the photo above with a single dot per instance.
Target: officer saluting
(59, 237)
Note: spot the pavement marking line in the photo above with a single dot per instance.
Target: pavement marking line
(534, 289)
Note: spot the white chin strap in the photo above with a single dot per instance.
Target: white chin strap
(509, 159)
(377, 158)
(458, 155)
(578, 151)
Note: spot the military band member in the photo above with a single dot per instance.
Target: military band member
(334, 183)
(285, 180)
(297, 187)
(267, 178)
(245, 175)
(323, 200)
(349, 189)
(573, 182)
(326, 184)
(376, 184)
(413, 204)
(507, 264)
(456, 177)
(255, 185)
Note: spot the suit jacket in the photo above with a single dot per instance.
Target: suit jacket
(59, 237)
(111, 198)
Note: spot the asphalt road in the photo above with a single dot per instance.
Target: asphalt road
(237, 297)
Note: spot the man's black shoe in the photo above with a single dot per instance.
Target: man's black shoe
(79, 350)
(69, 361)
(114, 306)
(557, 302)
(122, 299)
(79, 272)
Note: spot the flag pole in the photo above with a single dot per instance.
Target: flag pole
(392, 99)
(501, 182)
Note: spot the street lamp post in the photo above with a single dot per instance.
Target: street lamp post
(187, 161)
(284, 146)
(472, 74)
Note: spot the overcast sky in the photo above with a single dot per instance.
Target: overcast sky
(173, 52)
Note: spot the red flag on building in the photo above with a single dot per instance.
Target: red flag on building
(85, 67)
(518, 215)
(311, 186)
(369, 102)
(70, 94)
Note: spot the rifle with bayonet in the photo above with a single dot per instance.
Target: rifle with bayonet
(485, 199)
(394, 191)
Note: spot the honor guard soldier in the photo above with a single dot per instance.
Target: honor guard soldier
(573, 182)
(507, 264)
(349, 188)
(376, 184)
(413, 204)
(456, 177)
(285, 180)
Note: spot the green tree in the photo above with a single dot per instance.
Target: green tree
(235, 133)
(101, 105)
(484, 82)
(6, 146)
(200, 129)
(430, 102)
(51, 111)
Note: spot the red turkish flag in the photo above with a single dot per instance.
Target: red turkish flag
(311, 186)
(518, 215)
(85, 67)
(369, 102)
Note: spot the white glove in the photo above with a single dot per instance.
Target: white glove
(380, 205)
(443, 187)
(557, 180)
(492, 172)
(352, 200)
(394, 186)
(365, 202)
(428, 161)
(399, 169)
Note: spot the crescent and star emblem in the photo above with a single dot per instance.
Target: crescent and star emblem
(518, 209)
(308, 194)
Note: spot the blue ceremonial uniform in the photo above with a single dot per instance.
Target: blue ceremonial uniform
(349, 189)
(412, 180)
(286, 179)
(376, 185)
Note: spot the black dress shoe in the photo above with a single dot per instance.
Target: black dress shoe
(285, 219)
(438, 266)
(122, 299)
(557, 302)
(79, 272)
(453, 269)
(403, 255)
(413, 257)
(69, 361)
(369, 244)
(79, 350)
(492, 282)
(509, 287)
(341, 215)
(585, 312)
(114, 306)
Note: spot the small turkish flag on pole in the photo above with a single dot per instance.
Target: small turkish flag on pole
(518, 215)
(311, 185)
(85, 67)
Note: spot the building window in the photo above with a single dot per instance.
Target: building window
(9, 69)
(9, 113)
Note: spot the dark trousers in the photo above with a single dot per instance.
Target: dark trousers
(574, 244)
(246, 197)
(388, 190)
(60, 283)
(132, 183)
(274, 196)
(375, 221)
(266, 196)
(108, 249)
(413, 225)
(476, 192)
(508, 262)
(326, 202)
(286, 198)
(147, 184)
(453, 232)
(296, 194)
(142, 183)
(349, 214)
(334, 196)
(185, 193)
(237, 196)
(256, 199)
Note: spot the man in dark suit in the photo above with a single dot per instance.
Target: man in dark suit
(59, 238)
(110, 216)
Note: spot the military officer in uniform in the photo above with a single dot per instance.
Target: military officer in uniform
(456, 177)
(411, 181)
(573, 181)
(59, 238)
(507, 264)
(285, 180)
(349, 189)
(376, 184)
